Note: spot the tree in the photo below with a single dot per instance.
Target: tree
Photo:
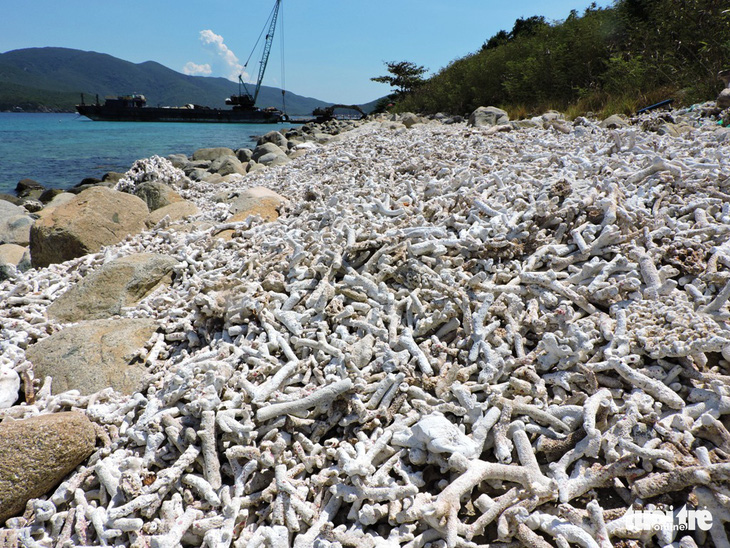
(405, 76)
(528, 27)
(499, 39)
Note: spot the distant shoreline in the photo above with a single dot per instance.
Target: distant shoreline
(37, 111)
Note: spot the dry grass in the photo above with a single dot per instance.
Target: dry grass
(600, 104)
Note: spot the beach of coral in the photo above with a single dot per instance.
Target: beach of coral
(419, 332)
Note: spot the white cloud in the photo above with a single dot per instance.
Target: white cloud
(193, 69)
(230, 61)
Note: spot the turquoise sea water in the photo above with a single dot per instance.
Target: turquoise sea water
(59, 150)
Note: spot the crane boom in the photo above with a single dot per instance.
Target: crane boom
(245, 99)
(267, 49)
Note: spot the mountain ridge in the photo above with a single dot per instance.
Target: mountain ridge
(53, 78)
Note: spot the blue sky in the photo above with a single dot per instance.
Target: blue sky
(332, 47)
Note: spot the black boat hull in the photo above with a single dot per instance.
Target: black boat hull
(159, 114)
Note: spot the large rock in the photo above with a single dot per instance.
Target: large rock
(15, 224)
(274, 137)
(723, 100)
(13, 258)
(95, 218)
(117, 284)
(244, 154)
(49, 195)
(267, 148)
(156, 194)
(272, 159)
(37, 453)
(92, 356)
(176, 212)
(409, 119)
(112, 177)
(178, 160)
(197, 174)
(10, 198)
(210, 154)
(253, 167)
(227, 165)
(488, 116)
(78, 189)
(675, 130)
(615, 121)
(28, 187)
(256, 201)
(57, 200)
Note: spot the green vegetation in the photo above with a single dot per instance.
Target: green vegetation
(606, 61)
(405, 76)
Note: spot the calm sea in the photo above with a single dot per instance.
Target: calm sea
(59, 150)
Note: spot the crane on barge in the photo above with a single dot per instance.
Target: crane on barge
(245, 99)
(132, 108)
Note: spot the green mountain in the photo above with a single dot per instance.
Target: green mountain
(55, 78)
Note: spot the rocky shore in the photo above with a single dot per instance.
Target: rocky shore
(405, 331)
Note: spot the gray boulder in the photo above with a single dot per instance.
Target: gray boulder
(266, 148)
(324, 138)
(197, 174)
(49, 195)
(244, 155)
(156, 194)
(273, 159)
(117, 284)
(29, 187)
(227, 165)
(274, 137)
(37, 454)
(112, 177)
(552, 115)
(409, 119)
(78, 189)
(213, 179)
(488, 116)
(8, 209)
(198, 164)
(178, 160)
(211, 154)
(614, 121)
(256, 201)
(526, 124)
(175, 212)
(253, 167)
(95, 218)
(9, 198)
(674, 130)
(723, 100)
(91, 356)
(15, 224)
(13, 258)
(57, 200)
(89, 181)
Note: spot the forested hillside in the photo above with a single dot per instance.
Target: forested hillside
(612, 60)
